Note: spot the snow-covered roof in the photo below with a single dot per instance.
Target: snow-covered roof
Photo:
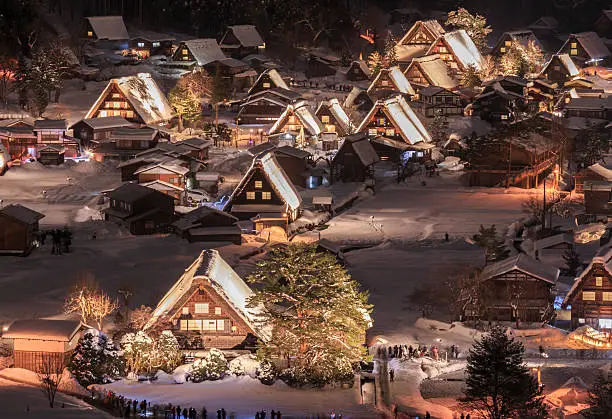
(50, 124)
(363, 66)
(399, 80)
(302, 111)
(133, 133)
(143, 93)
(592, 44)
(105, 122)
(193, 217)
(522, 36)
(160, 185)
(525, 264)
(566, 61)
(211, 269)
(545, 22)
(404, 119)
(601, 171)
(158, 168)
(109, 27)
(293, 152)
(550, 241)
(338, 112)
(247, 35)
(21, 213)
(603, 258)
(43, 329)
(362, 148)
(275, 78)
(463, 48)
(435, 70)
(130, 192)
(205, 50)
(276, 176)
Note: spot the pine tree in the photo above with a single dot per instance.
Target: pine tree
(494, 248)
(138, 351)
(599, 399)
(212, 366)
(572, 262)
(470, 77)
(96, 359)
(498, 384)
(375, 63)
(475, 26)
(323, 315)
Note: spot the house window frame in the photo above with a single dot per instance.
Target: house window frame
(589, 294)
(607, 296)
(217, 311)
(599, 281)
(250, 195)
(258, 184)
(202, 308)
(266, 195)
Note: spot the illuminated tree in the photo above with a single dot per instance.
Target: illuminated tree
(186, 105)
(470, 77)
(375, 63)
(390, 59)
(520, 60)
(488, 68)
(316, 313)
(90, 303)
(475, 26)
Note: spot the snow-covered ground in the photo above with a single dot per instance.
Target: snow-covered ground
(241, 397)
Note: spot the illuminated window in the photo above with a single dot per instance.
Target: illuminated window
(201, 308)
(325, 119)
(574, 45)
(382, 121)
(155, 44)
(372, 131)
(185, 310)
(390, 132)
(116, 105)
(384, 82)
(292, 119)
(502, 49)
(220, 324)
(574, 52)
(266, 85)
(607, 296)
(89, 33)
(116, 96)
(209, 325)
(234, 329)
(103, 114)
(507, 43)
(588, 295)
(218, 311)
(140, 45)
(330, 128)
(598, 281)
(442, 50)
(266, 195)
(258, 184)
(129, 114)
(185, 52)
(250, 195)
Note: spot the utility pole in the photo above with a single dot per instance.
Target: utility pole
(544, 208)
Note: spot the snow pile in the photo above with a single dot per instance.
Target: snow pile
(93, 166)
(68, 383)
(87, 214)
(244, 365)
(181, 373)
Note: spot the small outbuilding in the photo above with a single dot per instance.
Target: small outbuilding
(18, 229)
(40, 343)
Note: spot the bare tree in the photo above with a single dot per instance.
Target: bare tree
(50, 375)
(140, 317)
(102, 306)
(77, 302)
(91, 303)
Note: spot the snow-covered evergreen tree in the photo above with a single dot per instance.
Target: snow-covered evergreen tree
(494, 247)
(323, 315)
(475, 26)
(375, 63)
(167, 352)
(470, 77)
(95, 359)
(138, 351)
(266, 373)
(213, 366)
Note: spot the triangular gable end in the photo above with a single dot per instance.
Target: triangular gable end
(422, 33)
(267, 80)
(104, 105)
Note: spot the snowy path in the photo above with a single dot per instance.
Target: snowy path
(16, 398)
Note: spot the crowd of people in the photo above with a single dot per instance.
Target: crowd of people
(408, 351)
(124, 407)
(61, 240)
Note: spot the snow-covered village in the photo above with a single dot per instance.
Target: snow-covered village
(306, 209)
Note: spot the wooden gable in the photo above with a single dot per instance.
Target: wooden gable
(384, 82)
(416, 75)
(329, 121)
(255, 188)
(291, 122)
(114, 103)
(419, 34)
(381, 124)
(262, 83)
(356, 73)
(591, 298)
(183, 53)
(446, 53)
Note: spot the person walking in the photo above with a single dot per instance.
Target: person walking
(223, 413)
(204, 412)
(427, 415)
(391, 375)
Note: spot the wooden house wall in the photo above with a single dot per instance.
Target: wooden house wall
(15, 235)
(293, 123)
(35, 360)
(382, 125)
(556, 72)
(222, 339)
(355, 73)
(332, 125)
(383, 84)
(257, 175)
(179, 55)
(447, 55)
(347, 166)
(116, 104)
(263, 83)
(592, 311)
(260, 112)
(420, 36)
(415, 75)
(580, 57)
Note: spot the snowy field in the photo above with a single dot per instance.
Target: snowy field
(241, 397)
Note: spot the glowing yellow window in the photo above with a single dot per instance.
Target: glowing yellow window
(574, 52)
(502, 49)
(588, 295)
(598, 281)
(250, 195)
(116, 96)
(185, 52)
(129, 114)
(266, 195)
(607, 296)
(574, 45)
(507, 43)
(325, 119)
(218, 311)
(266, 85)
(381, 121)
(390, 132)
(185, 310)
(330, 128)
(385, 82)
(201, 308)
(258, 184)
(89, 33)
(292, 119)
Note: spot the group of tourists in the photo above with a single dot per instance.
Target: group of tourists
(408, 351)
(61, 240)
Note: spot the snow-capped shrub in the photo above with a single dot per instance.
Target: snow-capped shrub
(180, 374)
(96, 359)
(266, 373)
(246, 364)
(328, 372)
(167, 353)
(213, 366)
